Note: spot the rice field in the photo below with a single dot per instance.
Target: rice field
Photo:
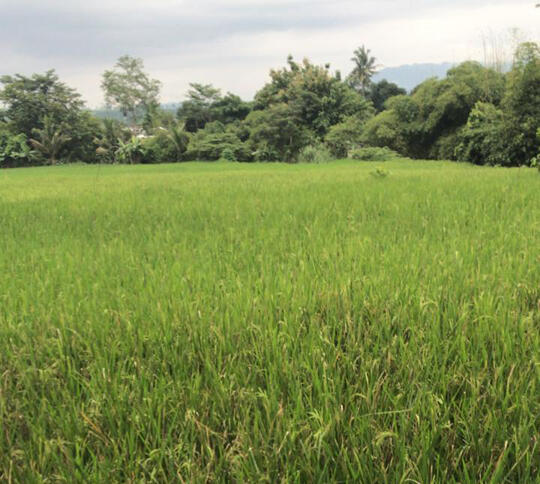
(224, 322)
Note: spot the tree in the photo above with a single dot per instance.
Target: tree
(383, 90)
(196, 111)
(277, 133)
(424, 124)
(316, 98)
(344, 136)
(230, 108)
(29, 100)
(210, 142)
(521, 104)
(50, 140)
(482, 139)
(157, 118)
(364, 68)
(130, 89)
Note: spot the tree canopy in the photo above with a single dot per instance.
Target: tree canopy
(129, 88)
(305, 112)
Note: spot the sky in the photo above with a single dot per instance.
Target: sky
(234, 43)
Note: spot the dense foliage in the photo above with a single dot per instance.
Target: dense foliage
(475, 114)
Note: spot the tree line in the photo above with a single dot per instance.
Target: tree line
(305, 112)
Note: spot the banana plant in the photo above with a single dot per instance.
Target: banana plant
(130, 152)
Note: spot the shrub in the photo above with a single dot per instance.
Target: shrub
(228, 155)
(209, 143)
(159, 149)
(482, 139)
(14, 150)
(264, 152)
(373, 154)
(343, 137)
(315, 154)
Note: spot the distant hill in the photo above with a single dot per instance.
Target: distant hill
(410, 75)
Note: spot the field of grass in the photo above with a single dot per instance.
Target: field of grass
(270, 322)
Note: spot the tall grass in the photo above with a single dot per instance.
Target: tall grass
(278, 323)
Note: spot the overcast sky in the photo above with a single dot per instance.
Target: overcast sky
(233, 43)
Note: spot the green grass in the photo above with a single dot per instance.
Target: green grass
(270, 322)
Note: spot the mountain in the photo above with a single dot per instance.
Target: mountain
(410, 75)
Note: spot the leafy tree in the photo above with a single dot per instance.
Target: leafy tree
(81, 146)
(230, 108)
(424, 124)
(364, 68)
(482, 139)
(383, 90)
(50, 140)
(344, 136)
(206, 104)
(521, 105)
(315, 98)
(210, 142)
(29, 100)
(386, 130)
(157, 118)
(196, 111)
(277, 133)
(507, 134)
(129, 88)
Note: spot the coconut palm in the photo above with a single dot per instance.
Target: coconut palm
(364, 68)
(50, 140)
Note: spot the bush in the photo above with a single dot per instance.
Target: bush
(263, 152)
(159, 149)
(209, 143)
(14, 150)
(315, 154)
(228, 155)
(482, 139)
(345, 136)
(373, 154)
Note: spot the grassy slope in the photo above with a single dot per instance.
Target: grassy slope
(274, 322)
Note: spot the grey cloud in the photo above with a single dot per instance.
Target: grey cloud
(102, 30)
(232, 43)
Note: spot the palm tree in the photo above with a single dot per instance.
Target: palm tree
(50, 140)
(364, 68)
